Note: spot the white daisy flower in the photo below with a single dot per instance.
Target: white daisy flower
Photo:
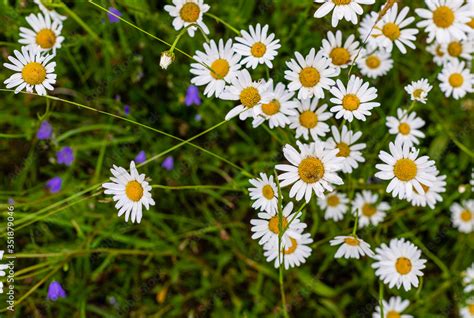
(335, 205)
(399, 264)
(419, 90)
(444, 20)
(33, 70)
(440, 56)
(468, 310)
(370, 211)
(393, 308)
(293, 256)
(250, 94)
(310, 119)
(405, 170)
(342, 9)
(366, 28)
(459, 50)
(462, 216)
(267, 227)
(345, 143)
(355, 100)
(456, 80)
(468, 279)
(406, 127)
(352, 247)
(278, 110)
(223, 64)
(310, 76)
(312, 169)
(44, 33)
(264, 193)
(257, 46)
(375, 64)
(341, 56)
(130, 191)
(431, 195)
(52, 13)
(186, 12)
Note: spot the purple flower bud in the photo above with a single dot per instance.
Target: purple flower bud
(141, 157)
(11, 201)
(65, 156)
(45, 131)
(54, 184)
(55, 291)
(168, 163)
(126, 109)
(112, 18)
(198, 117)
(192, 96)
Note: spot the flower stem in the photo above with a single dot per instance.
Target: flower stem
(381, 299)
(223, 22)
(73, 15)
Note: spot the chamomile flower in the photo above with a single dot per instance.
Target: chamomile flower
(459, 50)
(440, 56)
(310, 119)
(444, 20)
(368, 208)
(223, 63)
(130, 191)
(355, 100)
(399, 264)
(468, 310)
(406, 127)
(430, 195)
(279, 109)
(374, 64)
(335, 205)
(251, 95)
(341, 55)
(34, 70)
(352, 247)
(342, 9)
(392, 29)
(345, 143)
(267, 227)
(393, 308)
(405, 170)
(45, 33)
(312, 169)
(366, 28)
(292, 256)
(468, 279)
(456, 80)
(186, 12)
(52, 13)
(419, 90)
(257, 46)
(264, 193)
(462, 216)
(310, 75)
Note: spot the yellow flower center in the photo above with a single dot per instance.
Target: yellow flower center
(333, 200)
(438, 51)
(341, 2)
(403, 265)
(249, 97)
(46, 38)
(308, 119)
(271, 108)
(471, 25)
(273, 224)
(220, 68)
(350, 102)
(393, 314)
(340, 56)
(417, 92)
(373, 61)
(267, 192)
(292, 248)
(455, 48)
(443, 17)
(352, 241)
(466, 215)
(404, 128)
(456, 80)
(344, 150)
(391, 31)
(471, 309)
(33, 73)
(405, 169)
(368, 210)
(134, 190)
(311, 170)
(189, 12)
(258, 49)
(309, 76)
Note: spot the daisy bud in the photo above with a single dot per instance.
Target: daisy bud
(166, 59)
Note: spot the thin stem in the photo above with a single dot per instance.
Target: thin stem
(223, 22)
(381, 299)
(195, 187)
(80, 21)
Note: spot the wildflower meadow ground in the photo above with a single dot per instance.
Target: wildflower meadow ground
(238, 158)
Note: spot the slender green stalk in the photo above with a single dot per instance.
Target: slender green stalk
(195, 187)
(381, 299)
(223, 22)
(73, 15)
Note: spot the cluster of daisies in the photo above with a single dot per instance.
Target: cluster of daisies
(34, 64)
(467, 311)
